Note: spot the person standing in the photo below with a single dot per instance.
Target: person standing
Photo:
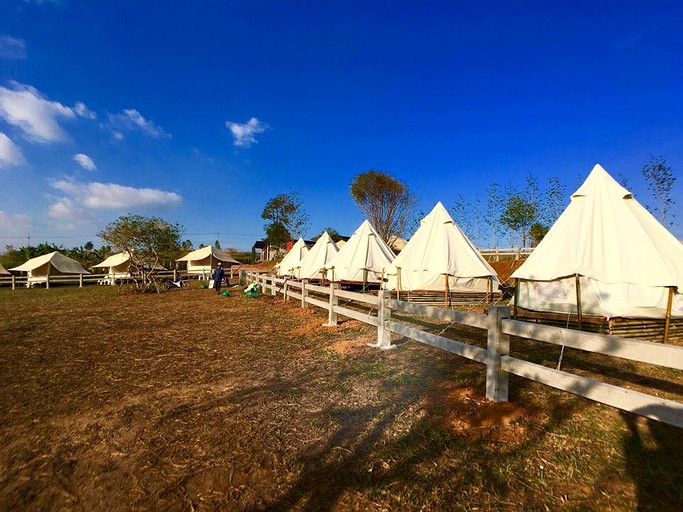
(218, 275)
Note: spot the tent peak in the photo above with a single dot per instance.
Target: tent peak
(600, 181)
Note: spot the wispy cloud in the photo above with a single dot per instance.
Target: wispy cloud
(244, 135)
(12, 48)
(85, 161)
(130, 120)
(10, 154)
(111, 196)
(15, 225)
(25, 107)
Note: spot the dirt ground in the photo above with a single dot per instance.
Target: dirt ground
(189, 401)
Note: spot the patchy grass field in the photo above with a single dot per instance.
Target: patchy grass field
(188, 401)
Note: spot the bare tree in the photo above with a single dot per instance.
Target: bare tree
(660, 180)
(385, 201)
(147, 241)
(461, 215)
(555, 201)
(494, 209)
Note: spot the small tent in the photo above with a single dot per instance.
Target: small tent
(313, 264)
(291, 263)
(53, 264)
(202, 261)
(4, 271)
(116, 266)
(607, 254)
(439, 257)
(362, 259)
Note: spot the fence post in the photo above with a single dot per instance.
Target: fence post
(273, 290)
(14, 282)
(332, 314)
(175, 274)
(286, 286)
(498, 344)
(47, 281)
(80, 280)
(303, 293)
(383, 317)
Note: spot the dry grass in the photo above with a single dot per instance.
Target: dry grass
(188, 401)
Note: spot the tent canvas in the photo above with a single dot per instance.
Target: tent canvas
(313, 264)
(4, 271)
(203, 261)
(362, 259)
(625, 261)
(291, 263)
(52, 264)
(117, 266)
(439, 249)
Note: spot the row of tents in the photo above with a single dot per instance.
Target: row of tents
(605, 256)
(115, 267)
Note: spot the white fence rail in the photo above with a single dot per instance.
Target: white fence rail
(512, 252)
(81, 279)
(496, 355)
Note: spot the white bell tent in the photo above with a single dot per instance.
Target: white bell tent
(439, 257)
(203, 261)
(52, 264)
(362, 259)
(291, 263)
(605, 256)
(313, 264)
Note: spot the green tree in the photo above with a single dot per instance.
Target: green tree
(518, 215)
(147, 240)
(386, 202)
(334, 234)
(277, 235)
(660, 180)
(286, 214)
(537, 232)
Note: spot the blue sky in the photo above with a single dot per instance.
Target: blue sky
(115, 107)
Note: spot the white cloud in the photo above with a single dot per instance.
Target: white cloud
(25, 107)
(12, 48)
(244, 134)
(83, 111)
(62, 209)
(10, 154)
(131, 120)
(85, 161)
(110, 196)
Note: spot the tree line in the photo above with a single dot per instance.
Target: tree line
(507, 215)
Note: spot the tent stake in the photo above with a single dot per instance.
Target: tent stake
(578, 301)
(668, 314)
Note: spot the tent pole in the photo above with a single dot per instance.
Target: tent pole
(445, 291)
(490, 297)
(365, 279)
(398, 283)
(514, 311)
(578, 301)
(667, 322)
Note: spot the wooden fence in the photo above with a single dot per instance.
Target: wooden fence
(496, 356)
(514, 252)
(80, 279)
